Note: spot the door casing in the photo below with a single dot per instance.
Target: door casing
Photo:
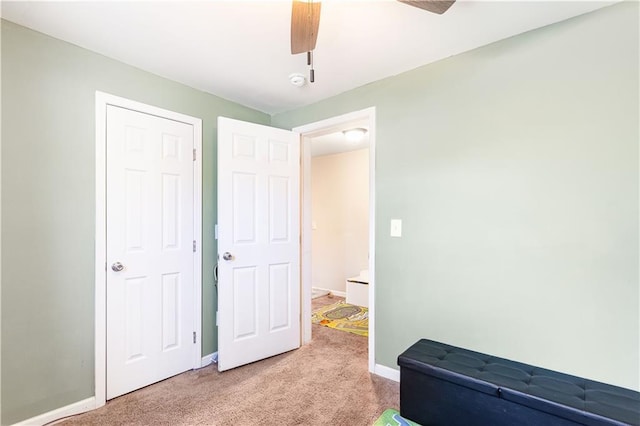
(102, 100)
(307, 132)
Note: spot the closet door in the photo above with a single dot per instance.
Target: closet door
(150, 249)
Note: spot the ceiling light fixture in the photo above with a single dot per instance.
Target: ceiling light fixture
(354, 135)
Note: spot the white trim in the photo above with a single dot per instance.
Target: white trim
(100, 323)
(102, 100)
(387, 372)
(0, 234)
(197, 234)
(306, 132)
(333, 292)
(208, 359)
(60, 413)
(337, 293)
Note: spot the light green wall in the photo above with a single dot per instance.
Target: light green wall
(48, 179)
(514, 168)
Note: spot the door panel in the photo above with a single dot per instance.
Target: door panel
(244, 207)
(150, 195)
(258, 225)
(279, 293)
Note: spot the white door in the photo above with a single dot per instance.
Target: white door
(258, 242)
(150, 256)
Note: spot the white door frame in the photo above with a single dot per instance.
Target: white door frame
(307, 132)
(102, 100)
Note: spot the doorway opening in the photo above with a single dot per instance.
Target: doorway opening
(323, 139)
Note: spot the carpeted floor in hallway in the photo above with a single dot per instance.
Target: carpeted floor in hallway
(323, 383)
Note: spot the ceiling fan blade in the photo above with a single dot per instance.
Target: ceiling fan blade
(305, 20)
(435, 6)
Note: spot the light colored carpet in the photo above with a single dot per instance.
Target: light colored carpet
(323, 383)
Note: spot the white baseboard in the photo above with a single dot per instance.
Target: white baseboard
(387, 372)
(84, 405)
(60, 413)
(332, 291)
(208, 359)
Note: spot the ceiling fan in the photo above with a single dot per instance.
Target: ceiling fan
(305, 20)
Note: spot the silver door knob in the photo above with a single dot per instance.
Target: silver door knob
(117, 267)
(227, 256)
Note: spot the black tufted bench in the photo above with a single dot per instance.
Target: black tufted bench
(449, 386)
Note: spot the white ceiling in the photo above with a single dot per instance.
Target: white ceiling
(240, 50)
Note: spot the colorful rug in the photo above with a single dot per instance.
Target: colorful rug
(343, 316)
(391, 417)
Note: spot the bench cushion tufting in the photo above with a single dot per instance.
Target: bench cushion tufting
(573, 398)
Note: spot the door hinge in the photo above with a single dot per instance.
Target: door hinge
(194, 154)
(194, 246)
(194, 337)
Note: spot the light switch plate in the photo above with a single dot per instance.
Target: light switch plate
(396, 227)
